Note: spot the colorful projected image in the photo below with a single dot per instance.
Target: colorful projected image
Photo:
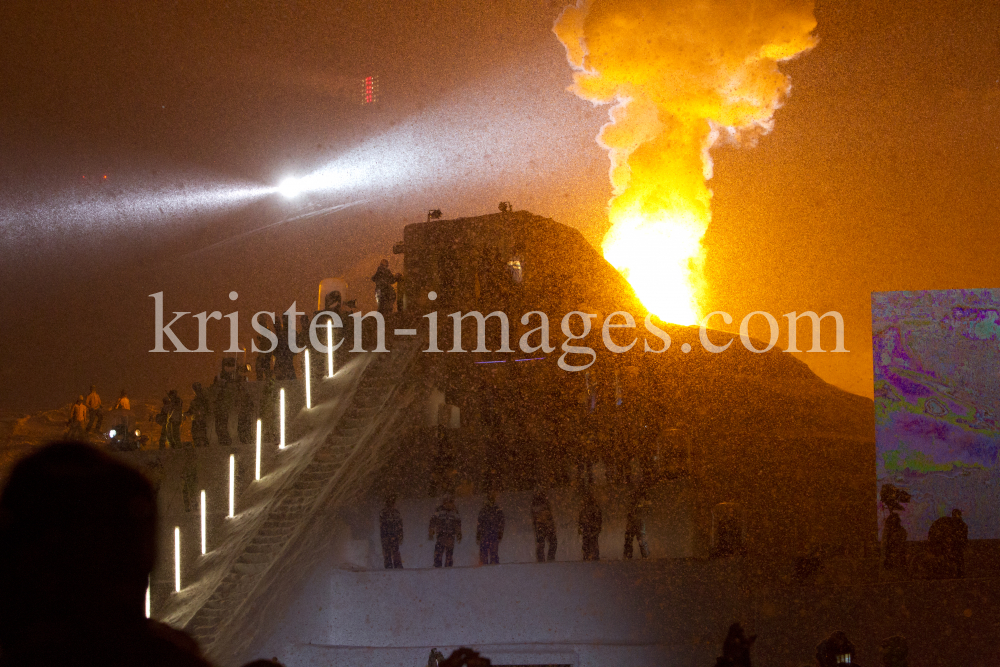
(937, 404)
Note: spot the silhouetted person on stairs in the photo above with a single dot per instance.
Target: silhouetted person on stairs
(385, 293)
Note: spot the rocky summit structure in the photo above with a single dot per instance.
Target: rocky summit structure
(756, 473)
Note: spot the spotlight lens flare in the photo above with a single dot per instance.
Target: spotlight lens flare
(290, 188)
(334, 177)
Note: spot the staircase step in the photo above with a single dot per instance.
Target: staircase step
(249, 568)
(256, 558)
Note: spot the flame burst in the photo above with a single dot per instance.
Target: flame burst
(683, 76)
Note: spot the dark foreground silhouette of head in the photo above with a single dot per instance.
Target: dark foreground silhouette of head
(836, 650)
(465, 657)
(77, 544)
(736, 648)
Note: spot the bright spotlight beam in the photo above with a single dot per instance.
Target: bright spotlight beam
(290, 188)
(329, 178)
(133, 203)
(294, 218)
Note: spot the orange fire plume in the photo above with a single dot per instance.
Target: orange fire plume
(683, 76)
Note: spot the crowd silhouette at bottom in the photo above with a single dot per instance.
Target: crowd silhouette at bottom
(78, 543)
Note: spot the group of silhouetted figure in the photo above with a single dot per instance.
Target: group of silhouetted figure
(78, 543)
(834, 651)
(946, 540)
(86, 414)
(229, 390)
(446, 526)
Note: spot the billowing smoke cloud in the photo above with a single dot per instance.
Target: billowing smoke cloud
(683, 76)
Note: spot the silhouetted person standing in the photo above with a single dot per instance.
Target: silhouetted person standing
(77, 544)
(163, 419)
(385, 293)
(175, 419)
(199, 410)
(590, 526)
(245, 425)
(77, 421)
(269, 398)
(123, 402)
(284, 358)
(94, 411)
(221, 408)
(894, 542)
(390, 525)
(489, 531)
(947, 538)
(635, 524)
(545, 526)
(893, 533)
(447, 524)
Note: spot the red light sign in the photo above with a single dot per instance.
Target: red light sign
(369, 90)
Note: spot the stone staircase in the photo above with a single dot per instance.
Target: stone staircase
(297, 501)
